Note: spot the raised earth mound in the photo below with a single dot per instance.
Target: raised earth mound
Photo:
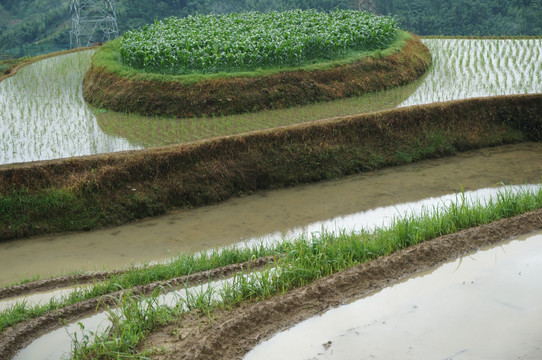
(162, 71)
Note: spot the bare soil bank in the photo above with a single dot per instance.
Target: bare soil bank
(229, 334)
(104, 89)
(95, 191)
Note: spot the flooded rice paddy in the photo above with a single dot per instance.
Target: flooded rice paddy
(43, 115)
(467, 68)
(491, 67)
(484, 305)
(487, 305)
(270, 214)
(57, 344)
(488, 276)
(38, 298)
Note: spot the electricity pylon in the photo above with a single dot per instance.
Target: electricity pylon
(367, 5)
(92, 21)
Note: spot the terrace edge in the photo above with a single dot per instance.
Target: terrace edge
(104, 88)
(89, 192)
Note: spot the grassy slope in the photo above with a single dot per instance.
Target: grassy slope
(89, 192)
(109, 84)
(152, 131)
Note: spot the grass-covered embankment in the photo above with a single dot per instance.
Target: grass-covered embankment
(90, 192)
(112, 85)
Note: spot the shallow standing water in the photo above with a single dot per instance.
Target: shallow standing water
(487, 305)
(267, 214)
(467, 68)
(43, 115)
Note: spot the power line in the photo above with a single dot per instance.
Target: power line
(367, 5)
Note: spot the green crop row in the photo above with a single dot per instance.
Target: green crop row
(248, 41)
(305, 261)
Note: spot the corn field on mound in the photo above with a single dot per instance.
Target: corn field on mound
(103, 87)
(251, 40)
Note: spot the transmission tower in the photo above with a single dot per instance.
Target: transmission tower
(93, 21)
(367, 5)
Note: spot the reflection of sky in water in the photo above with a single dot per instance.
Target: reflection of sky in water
(477, 68)
(43, 115)
(57, 344)
(384, 216)
(367, 220)
(482, 306)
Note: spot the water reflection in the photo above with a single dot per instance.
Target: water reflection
(43, 115)
(486, 307)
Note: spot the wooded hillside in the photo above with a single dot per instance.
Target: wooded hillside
(45, 22)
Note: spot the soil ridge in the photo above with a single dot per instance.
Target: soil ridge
(230, 334)
(18, 336)
(91, 192)
(104, 88)
(55, 283)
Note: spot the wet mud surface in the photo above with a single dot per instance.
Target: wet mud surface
(482, 305)
(231, 334)
(17, 337)
(55, 283)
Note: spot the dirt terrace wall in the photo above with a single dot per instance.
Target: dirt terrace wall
(103, 89)
(89, 192)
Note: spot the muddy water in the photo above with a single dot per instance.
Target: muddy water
(266, 214)
(39, 298)
(483, 306)
(57, 344)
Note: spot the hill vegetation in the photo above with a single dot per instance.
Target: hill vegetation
(41, 23)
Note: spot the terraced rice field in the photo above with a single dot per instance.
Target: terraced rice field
(466, 68)
(43, 115)
(314, 255)
(42, 104)
(302, 272)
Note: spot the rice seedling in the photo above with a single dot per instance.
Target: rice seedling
(159, 131)
(461, 69)
(466, 68)
(43, 115)
(183, 264)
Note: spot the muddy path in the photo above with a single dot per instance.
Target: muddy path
(17, 337)
(231, 334)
